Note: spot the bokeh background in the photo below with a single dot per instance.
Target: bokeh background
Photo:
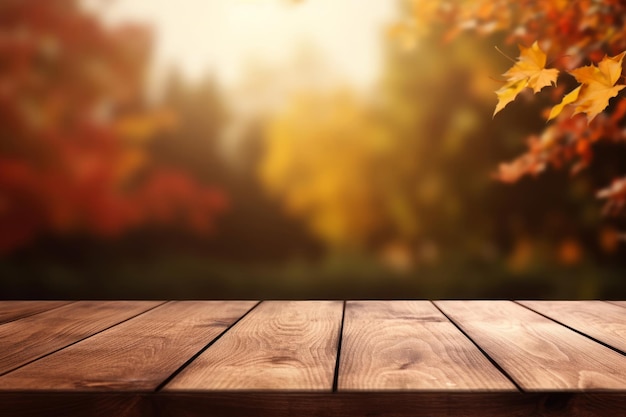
(279, 149)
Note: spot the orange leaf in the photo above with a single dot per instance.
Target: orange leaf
(531, 65)
(598, 85)
(508, 92)
(529, 71)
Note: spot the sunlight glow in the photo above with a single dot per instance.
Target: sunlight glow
(220, 37)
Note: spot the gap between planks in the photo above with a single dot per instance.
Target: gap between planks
(492, 360)
(284, 345)
(135, 355)
(411, 345)
(539, 353)
(88, 334)
(201, 351)
(15, 310)
(339, 341)
(576, 329)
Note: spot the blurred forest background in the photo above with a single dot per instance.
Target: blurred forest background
(121, 178)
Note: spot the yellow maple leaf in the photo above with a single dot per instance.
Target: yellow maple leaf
(529, 71)
(531, 65)
(598, 85)
(508, 92)
(569, 98)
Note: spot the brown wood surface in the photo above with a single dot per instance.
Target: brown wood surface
(397, 359)
(603, 321)
(283, 345)
(31, 337)
(539, 354)
(618, 303)
(13, 310)
(400, 345)
(136, 355)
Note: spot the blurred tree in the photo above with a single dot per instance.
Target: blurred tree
(408, 171)
(74, 129)
(196, 144)
(395, 174)
(325, 156)
(223, 148)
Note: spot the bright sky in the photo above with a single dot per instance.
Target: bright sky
(221, 36)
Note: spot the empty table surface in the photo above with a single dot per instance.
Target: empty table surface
(313, 358)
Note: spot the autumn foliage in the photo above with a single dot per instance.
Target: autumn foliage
(74, 129)
(574, 47)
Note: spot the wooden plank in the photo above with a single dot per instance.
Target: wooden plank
(603, 321)
(619, 303)
(136, 355)
(410, 345)
(390, 404)
(13, 310)
(27, 339)
(286, 345)
(539, 354)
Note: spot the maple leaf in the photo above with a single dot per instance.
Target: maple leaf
(597, 85)
(529, 71)
(569, 98)
(531, 65)
(508, 92)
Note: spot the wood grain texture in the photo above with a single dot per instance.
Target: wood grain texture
(539, 354)
(31, 337)
(13, 310)
(279, 360)
(603, 321)
(136, 355)
(410, 345)
(284, 345)
(390, 404)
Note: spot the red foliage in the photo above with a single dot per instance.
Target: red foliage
(67, 84)
(582, 29)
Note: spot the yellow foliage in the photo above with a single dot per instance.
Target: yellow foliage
(405, 33)
(423, 12)
(569, 98)
(598, 85)
(508, 92)
(325, 158)
(531, 66)
(529, 71)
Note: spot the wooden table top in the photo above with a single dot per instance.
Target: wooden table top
(313, 358)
